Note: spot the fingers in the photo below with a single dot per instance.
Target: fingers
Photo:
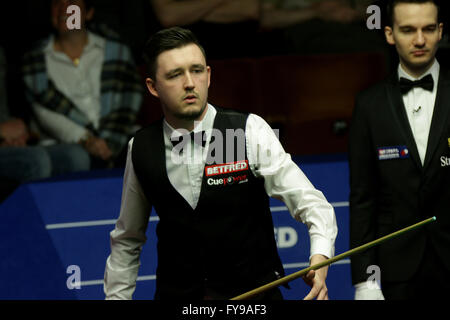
(318, 292)
(309, 278)
(323, 294)
(319, 289)
(312, 294)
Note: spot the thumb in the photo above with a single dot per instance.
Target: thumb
(309, 277)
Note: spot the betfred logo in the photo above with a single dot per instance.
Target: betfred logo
(226, 168)
(227, 181)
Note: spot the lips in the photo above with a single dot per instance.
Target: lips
(191, 98)
(418, 53)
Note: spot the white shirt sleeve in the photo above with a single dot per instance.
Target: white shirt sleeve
(369, 290)
(58, 126)
(127, 238)
(285, 181)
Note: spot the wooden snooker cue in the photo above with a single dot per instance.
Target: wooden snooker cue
(327, 262)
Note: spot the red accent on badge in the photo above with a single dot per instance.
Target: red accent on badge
(225, 168)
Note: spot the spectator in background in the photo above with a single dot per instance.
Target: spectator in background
(84, 90)
(18, 162)
(217, 23)
(133, 20)
(320, 26)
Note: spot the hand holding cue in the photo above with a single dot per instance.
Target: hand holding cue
(327, 262)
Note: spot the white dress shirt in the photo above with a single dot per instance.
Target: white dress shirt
(79, 83)
(420, 122)
(283, 180)
(419, 105)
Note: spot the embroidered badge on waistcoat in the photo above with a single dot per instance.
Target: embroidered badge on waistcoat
(227, 173)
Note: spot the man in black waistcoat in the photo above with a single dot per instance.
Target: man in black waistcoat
(400, 165)
(208, 172)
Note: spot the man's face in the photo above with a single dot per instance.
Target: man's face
(59, 14)
(181, 84)
(415, 34)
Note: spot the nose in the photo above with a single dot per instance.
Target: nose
(419, 40)
(189, 82)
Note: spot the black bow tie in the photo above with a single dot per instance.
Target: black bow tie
(197, 137)
(426, 83)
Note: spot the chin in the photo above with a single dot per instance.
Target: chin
(193, 113)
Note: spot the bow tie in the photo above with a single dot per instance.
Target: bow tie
(426, 83)
(197, 137)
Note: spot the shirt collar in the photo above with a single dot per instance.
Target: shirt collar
(205, 124)
(433, 70)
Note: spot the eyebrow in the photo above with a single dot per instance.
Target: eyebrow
(174, 71)
(198, 65)
(407, 26)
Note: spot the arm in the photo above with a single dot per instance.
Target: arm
(127, 238)
(235, 11)
(172, 13)
(284, 180)
(273, 17)
(328, 10)
(119, 124)
(363, 200)
(57, 125)
(65, 130)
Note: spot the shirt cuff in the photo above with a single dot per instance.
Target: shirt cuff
(321, 245)
(368, 290)
(119, 284)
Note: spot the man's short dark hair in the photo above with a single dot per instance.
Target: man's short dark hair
(164, 40)
(392, 3)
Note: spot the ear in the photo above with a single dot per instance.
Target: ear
(208, 70)
(151, 86)
(90, 14)
(441, 30)
(389, 34)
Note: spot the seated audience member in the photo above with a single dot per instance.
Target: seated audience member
(84, 90)
(217, 23)
(321, 26)
(133, 20)
(18, 162)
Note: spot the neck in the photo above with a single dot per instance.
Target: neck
(74, 40)
(181, 124)
(416, 72)
(187, 124)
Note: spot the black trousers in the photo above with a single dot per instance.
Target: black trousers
(431, 281)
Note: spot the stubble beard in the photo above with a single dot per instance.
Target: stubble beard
(191, 115)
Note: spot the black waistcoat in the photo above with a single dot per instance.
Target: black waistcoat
(227, 243)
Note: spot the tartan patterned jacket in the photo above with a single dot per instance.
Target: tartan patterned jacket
(121, 92)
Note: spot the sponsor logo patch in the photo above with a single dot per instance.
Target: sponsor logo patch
(226, 168)
(396, 152)
(228, 181)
